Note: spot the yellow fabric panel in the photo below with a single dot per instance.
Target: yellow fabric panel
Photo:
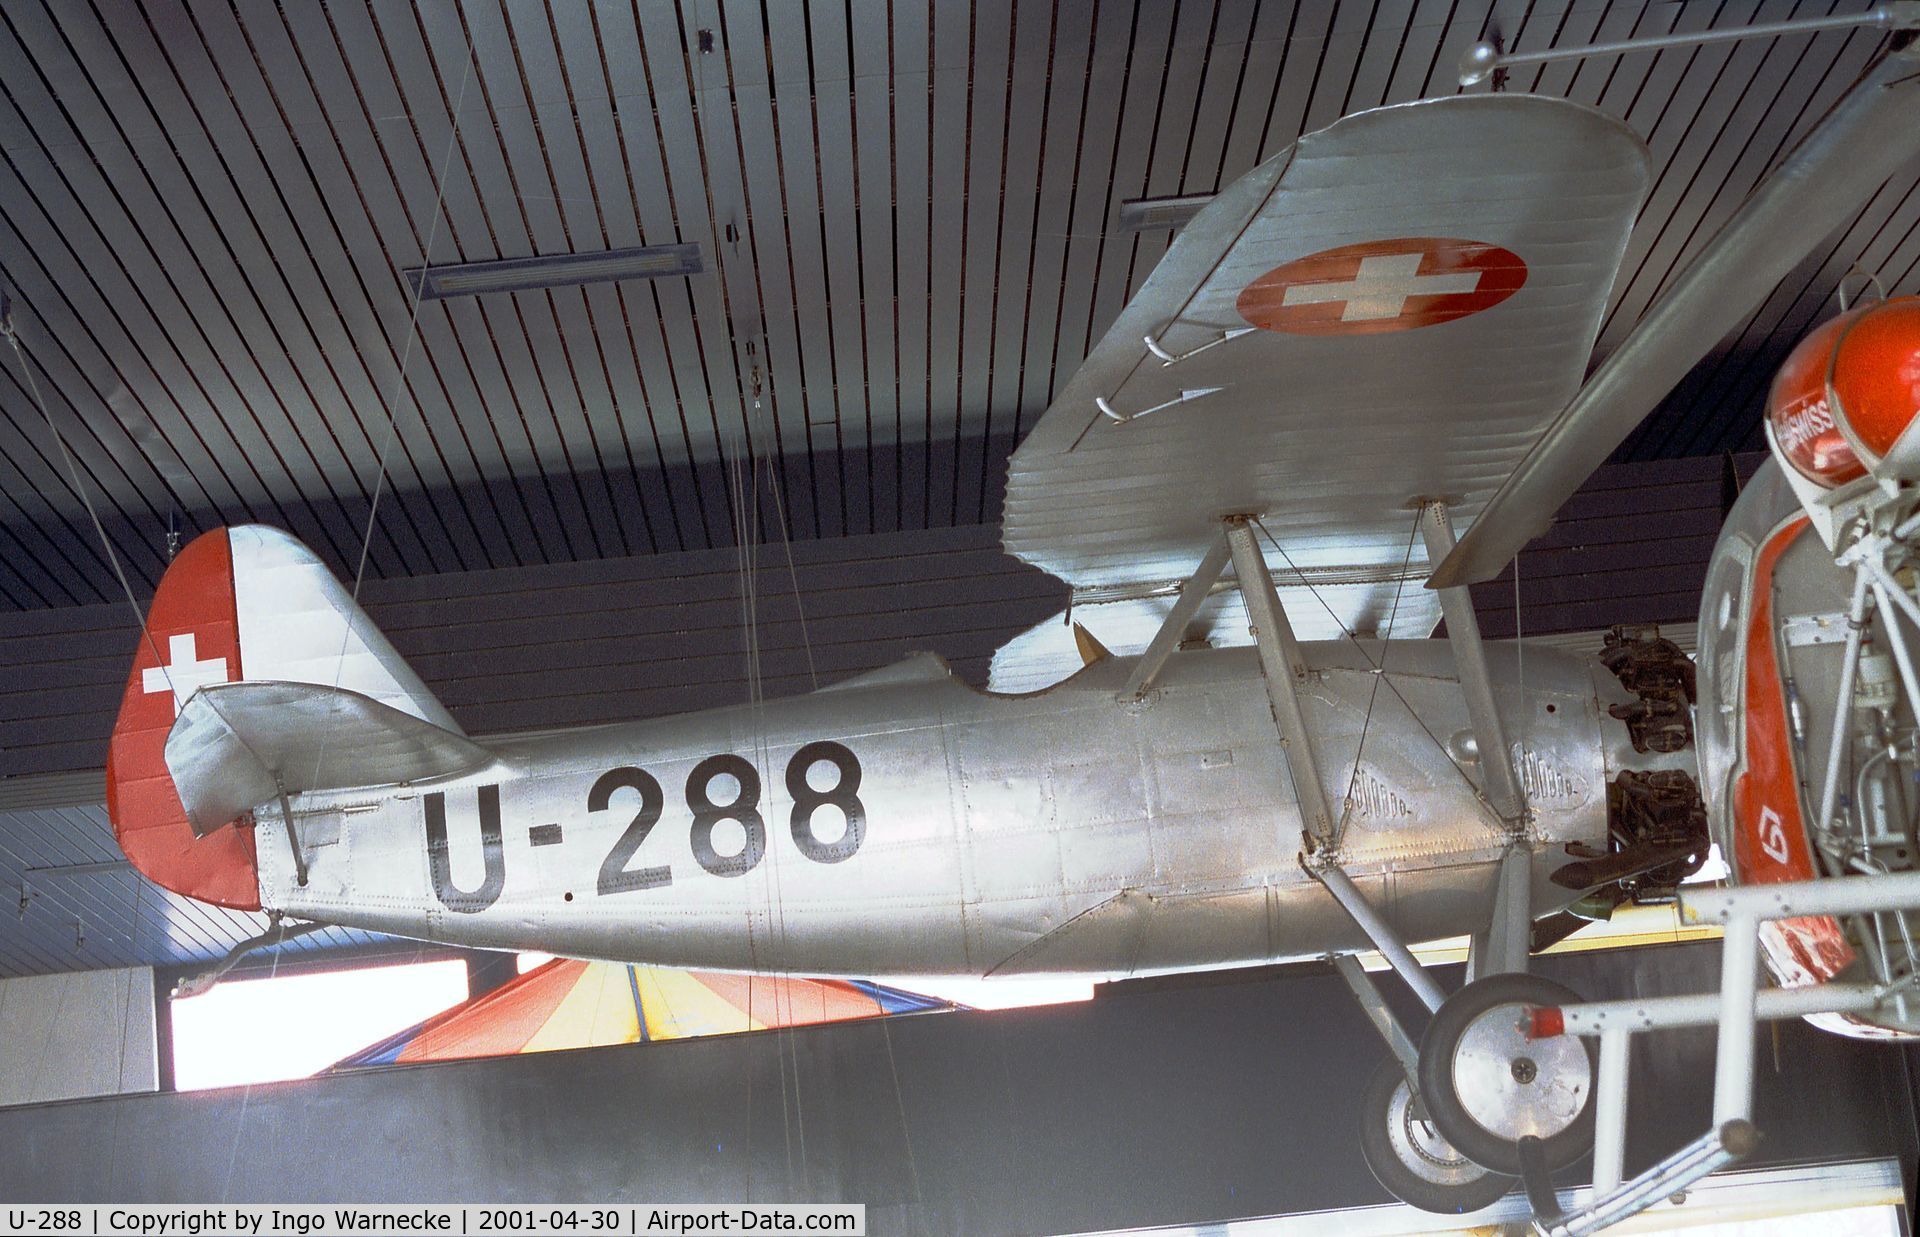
(599, 1010)
(678, 1006)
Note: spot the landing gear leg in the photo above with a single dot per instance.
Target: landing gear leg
(1491, 1087)
(1403, 1150)
(1481, 1083)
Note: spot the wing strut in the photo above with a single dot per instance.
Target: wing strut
(1500, 783)
(1831, 174)
(1193, 594)
(1284, 670)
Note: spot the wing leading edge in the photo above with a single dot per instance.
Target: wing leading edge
(1424, 283)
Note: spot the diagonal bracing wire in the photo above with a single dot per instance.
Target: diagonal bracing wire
(1378, 667)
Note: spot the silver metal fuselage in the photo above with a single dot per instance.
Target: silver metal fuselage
(1059, 832)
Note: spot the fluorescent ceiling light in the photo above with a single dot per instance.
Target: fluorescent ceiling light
(1146, 214)
(555, 271)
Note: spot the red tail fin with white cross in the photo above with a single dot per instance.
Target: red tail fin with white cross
(192, 639)
(252, 604)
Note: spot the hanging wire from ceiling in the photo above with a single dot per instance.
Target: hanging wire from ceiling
(392, 404)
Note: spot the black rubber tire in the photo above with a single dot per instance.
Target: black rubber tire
(1382, 1104)
(1455, 1017)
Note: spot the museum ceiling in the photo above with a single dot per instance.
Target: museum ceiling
(905, 218)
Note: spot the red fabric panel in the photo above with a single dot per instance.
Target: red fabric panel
(501, 1022)
(775, 1001)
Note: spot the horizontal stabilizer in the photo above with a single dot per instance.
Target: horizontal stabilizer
(238, 745)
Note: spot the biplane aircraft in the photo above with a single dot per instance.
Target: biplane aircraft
(1374, 338)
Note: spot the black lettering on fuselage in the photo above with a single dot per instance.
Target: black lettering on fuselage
(440, 865)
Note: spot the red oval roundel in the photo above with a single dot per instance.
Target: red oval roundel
(1378, 286)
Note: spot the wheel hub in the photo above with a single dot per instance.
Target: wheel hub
(1421, 1148)
(1513, 1086)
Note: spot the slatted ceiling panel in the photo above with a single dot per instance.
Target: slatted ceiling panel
(485, 220)
(1057, 130)
(258, 384)
(1366, 84)
(1032, 75)
(788, 257)
(873, 131)
(30, 452)
(100, 363)
(77, 270)
(597, 190)
(60, 560)
(658, 323)
(378, 223)
(1253, 91)
(949, 55)
(506, 159)
(330, 400)
(1734, 162)
(1430, 38)
(1138, 107)
(209, 221)
(1343, 45)
(990, 32)
(1675, 110)
(911, 78)
(1095, 127)
(1232, 121)
(828, 35)
(1187, 56)
(299, 232)
(550, 158)
(708, 389)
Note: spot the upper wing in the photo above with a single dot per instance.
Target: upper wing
(1398, 306)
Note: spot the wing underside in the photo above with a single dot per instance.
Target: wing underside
(1391, 311)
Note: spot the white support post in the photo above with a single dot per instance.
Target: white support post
(1738, 1007)
(1610, 1111)
(1501, 783)
(1637, 1014)
(1890, 891)
(1733, 1060)
(1284, 670)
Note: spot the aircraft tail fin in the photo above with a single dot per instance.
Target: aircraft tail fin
(237, 604)
(298, 624)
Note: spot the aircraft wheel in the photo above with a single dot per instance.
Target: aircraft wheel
(1410, 1159)
(1486, 1085)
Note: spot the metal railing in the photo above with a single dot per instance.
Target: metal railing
(1737, 1008)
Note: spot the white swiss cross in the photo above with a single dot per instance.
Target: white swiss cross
(184, 673)
(1381, 287)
